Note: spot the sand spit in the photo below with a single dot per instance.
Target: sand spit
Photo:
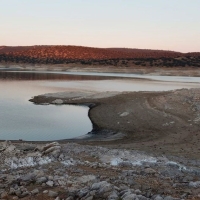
(159, 122)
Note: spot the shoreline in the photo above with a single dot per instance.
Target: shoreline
(148, 116)
(156, 153)
(96, 134)
(161, 71)
(145, 120)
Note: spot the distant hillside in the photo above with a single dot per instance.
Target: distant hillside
(148, 52)
(78, 52)
(97, 56)
(6, 49)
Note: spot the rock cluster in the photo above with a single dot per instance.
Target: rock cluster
(53, 149)
(88, 173)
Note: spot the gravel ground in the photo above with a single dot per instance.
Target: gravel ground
(73, 171)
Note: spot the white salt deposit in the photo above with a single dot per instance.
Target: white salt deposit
(115, 157)
(15, 163)
(172, 163)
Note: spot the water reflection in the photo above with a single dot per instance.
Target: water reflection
(17, 75)
(21, 119)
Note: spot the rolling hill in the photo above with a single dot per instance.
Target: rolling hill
(94, 56)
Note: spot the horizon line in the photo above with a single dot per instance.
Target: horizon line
(100, 47)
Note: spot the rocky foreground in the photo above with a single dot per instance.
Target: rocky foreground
(72, 171)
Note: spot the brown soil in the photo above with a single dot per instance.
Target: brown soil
(157, 122)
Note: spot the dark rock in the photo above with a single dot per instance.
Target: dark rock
(35, 191)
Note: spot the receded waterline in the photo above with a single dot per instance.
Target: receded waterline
(20, 119)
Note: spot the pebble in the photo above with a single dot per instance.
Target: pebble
(35, 191)
(50, 183)
(4, 195)
(52, 193)
(100, 177)
(41, 180)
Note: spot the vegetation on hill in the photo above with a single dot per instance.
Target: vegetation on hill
(97, 56)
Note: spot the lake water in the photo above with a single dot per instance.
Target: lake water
(21, 119)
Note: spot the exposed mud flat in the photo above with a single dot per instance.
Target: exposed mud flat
(158, 122)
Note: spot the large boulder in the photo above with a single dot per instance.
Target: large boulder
(53, 149)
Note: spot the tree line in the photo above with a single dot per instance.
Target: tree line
(127, 62)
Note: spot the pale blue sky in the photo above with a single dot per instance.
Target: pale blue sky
(149, 24)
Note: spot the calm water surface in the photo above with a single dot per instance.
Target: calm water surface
(99, 75)
(21, 119)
